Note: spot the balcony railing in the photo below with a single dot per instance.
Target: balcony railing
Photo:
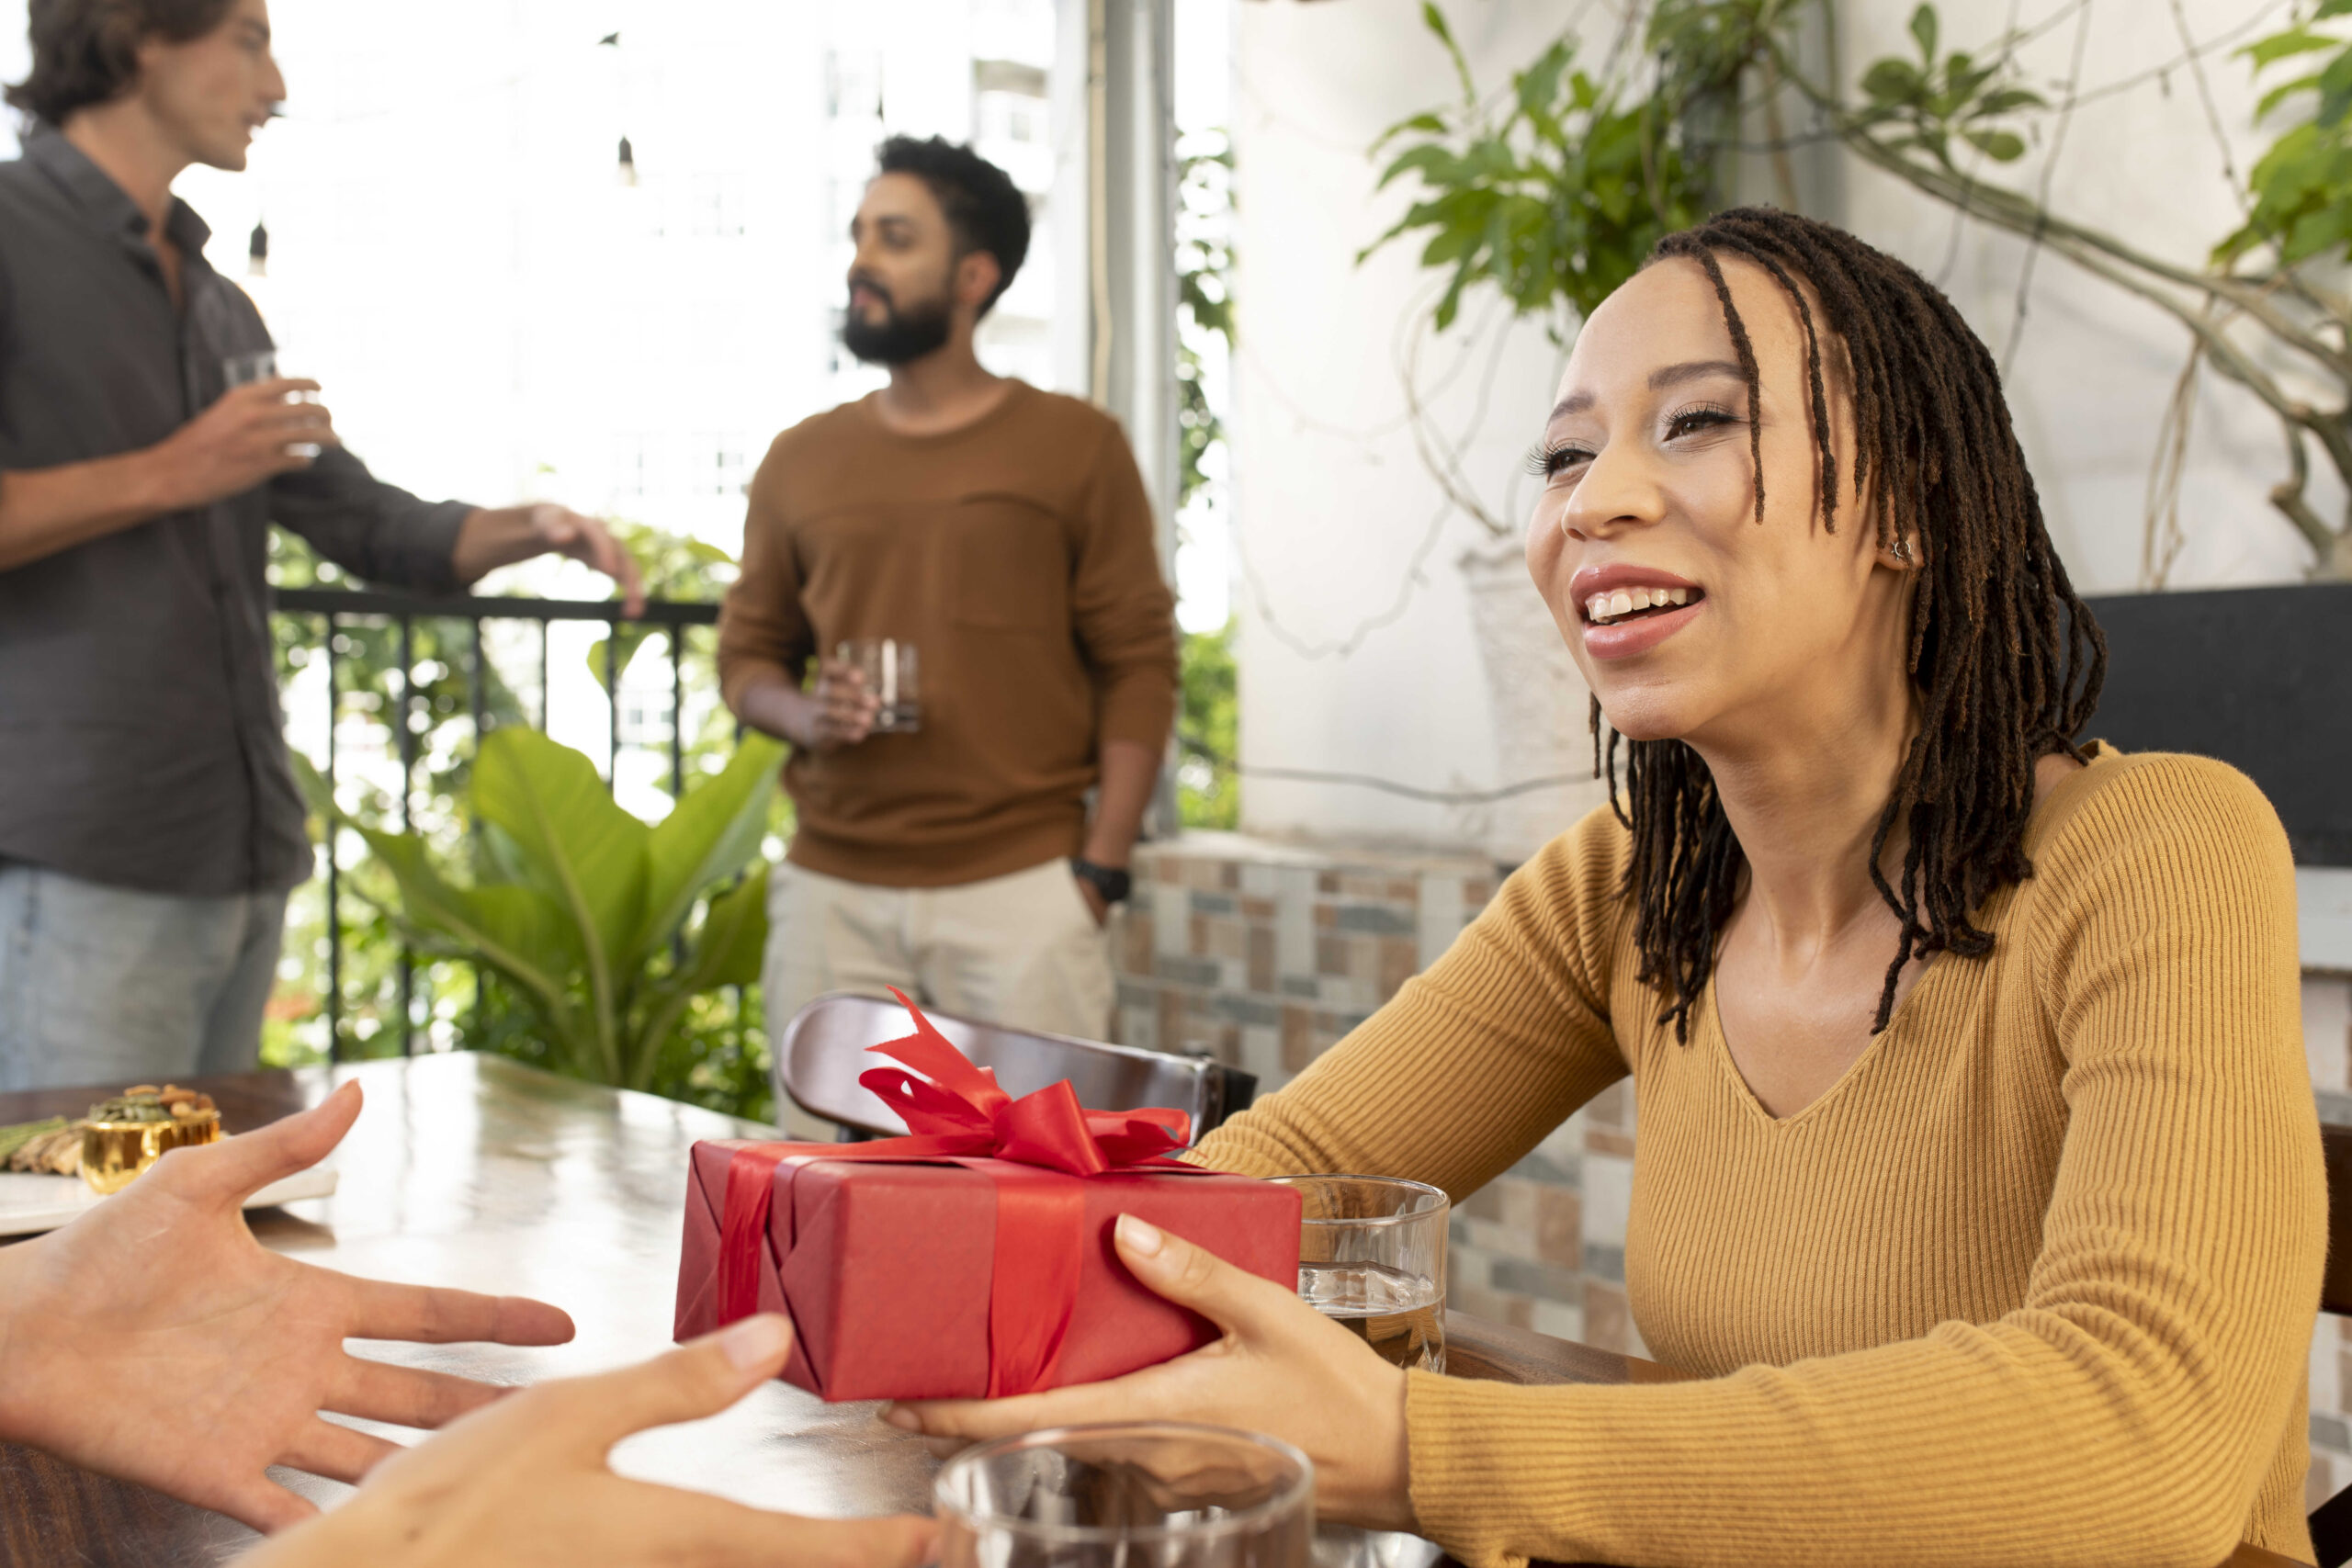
(334, 608)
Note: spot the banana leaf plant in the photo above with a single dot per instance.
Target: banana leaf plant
(585, 910)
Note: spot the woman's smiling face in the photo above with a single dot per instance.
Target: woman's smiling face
(1689, 618)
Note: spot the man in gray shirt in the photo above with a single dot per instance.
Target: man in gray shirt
(149, 827)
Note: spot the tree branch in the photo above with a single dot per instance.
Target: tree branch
(2288, 497)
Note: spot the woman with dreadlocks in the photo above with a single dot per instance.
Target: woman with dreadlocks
(1978, 1179)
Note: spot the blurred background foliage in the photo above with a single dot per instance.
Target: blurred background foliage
(1553, 189)
(718, 1056)
(1208, 790)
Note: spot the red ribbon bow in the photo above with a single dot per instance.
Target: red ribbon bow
(962, 1103)
(1035, 1150)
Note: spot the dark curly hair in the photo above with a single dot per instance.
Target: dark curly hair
(86, 51)
(985, 210)
(2005, 658)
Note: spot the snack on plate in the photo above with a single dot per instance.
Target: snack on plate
(53, 1146)
(126, 1134)
(145, 1103)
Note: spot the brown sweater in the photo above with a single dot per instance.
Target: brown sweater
(2032, 1284)
(1017, 555)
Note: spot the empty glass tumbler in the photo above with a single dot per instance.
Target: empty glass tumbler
(894, 674)
(1151, 1494)
(1371, 1256)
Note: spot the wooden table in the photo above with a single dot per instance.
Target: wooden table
(473, 1171)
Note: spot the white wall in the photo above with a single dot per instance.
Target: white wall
(1334, 512)
(1357, 653)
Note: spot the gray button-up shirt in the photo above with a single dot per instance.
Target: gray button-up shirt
(140, 740)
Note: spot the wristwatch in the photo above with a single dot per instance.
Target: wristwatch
(1114, 883)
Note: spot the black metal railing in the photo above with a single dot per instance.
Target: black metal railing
(337, 607)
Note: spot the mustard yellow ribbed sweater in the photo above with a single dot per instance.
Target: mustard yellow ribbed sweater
(2033, 1284)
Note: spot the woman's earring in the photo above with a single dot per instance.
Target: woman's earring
(1903, 548)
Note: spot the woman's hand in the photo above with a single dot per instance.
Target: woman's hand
(161, 1291)
(1282, 1368)
(526, 1484)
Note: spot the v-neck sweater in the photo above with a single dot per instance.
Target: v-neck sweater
(2031, 1283)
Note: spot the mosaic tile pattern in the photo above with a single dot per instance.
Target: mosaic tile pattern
(1264, 955)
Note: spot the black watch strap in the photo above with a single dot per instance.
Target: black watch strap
(1114, 883)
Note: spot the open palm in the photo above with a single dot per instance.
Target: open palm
(161, 1298)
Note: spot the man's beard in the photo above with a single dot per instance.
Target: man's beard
(901, 337)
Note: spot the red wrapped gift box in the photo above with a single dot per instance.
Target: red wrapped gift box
(972, 1258)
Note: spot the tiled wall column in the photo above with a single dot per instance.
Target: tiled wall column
(1263, 954)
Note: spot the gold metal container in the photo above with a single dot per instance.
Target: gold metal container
(114, 1152)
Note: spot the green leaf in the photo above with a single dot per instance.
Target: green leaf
(733, 937)
(631, 637)
(519, 931)
(315, 792)
(2008, 100)
(2334, 90)
(2001, 146)
(578, 847)
(727, 950)
(1892, 81)
(1539, 86)
(1923, 30)
(1428, 124)
(707, 838)
(2281, 94)
(1434, 19)
(2266, 52)
(1437, 166)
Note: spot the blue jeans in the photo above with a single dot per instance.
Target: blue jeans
(107, 987)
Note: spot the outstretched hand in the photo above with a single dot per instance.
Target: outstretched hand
(526, 1484)
(163, 1293)
(1281, 1368)
(562, 531)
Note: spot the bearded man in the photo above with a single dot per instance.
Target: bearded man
(1003, 533)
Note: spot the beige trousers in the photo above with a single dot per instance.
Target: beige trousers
(1021, 949)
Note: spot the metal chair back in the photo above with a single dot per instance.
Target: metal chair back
(824, 1050)
(2331, 1520)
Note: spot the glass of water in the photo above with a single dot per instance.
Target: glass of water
(261, 364)
(1371, 1256)
(1149, 1495)
(894, 675)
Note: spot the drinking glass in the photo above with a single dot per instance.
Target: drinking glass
(894, 675)
(1371, 1256)
(261, 364)
(1149, 1495)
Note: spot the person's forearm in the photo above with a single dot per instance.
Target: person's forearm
(1130, 774)
(14, 1261)
(43, 510)
(492, 537)
(774, 705)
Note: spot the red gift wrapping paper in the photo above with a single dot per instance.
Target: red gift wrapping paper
(886, 1269)
(972, 1258)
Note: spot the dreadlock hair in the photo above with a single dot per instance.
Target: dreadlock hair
(2005, 658)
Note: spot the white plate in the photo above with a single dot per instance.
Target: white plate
(30, 1202)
